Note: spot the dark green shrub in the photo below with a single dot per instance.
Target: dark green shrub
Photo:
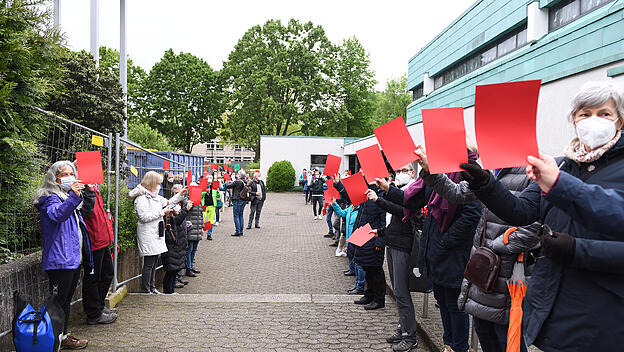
(281, 176)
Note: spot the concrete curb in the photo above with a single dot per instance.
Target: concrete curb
(114, 298)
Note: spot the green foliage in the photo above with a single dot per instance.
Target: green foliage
(392, 102)
(182, 97)
(253, 165)
(147, 137)
(281, 177)
(127, 220)
(88, 95)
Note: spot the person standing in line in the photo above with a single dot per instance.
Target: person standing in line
(95, 284)
(303, 182)
(258, 196)
(308, 185)
(220, 198)
(318, 186)
(239, 204)
(209, 206)
(174, 259)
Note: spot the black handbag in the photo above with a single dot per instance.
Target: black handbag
(483, 265)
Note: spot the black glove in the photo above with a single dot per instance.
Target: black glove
(474, 174)
(559, 247)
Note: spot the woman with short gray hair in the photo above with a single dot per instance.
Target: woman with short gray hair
(575, 296)
(65, 239)
(239, 204)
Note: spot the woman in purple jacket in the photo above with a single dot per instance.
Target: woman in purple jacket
(65, 237)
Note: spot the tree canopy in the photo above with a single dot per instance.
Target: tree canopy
(392, 102)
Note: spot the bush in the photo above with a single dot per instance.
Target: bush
(281, 176)
(253, 165)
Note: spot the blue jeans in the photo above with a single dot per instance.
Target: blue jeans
(218, 210)
(493, 337)
(330, 211)
(239, 209)
(191, 249)
(360, 275)
(455, 322)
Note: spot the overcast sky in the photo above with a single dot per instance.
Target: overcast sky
(391, 31)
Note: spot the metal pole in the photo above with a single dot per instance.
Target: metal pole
(95, 31)
(57, 13)
(425, 305)
(116, 229)
(110, 156)
(123, 61)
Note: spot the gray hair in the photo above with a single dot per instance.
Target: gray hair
(49, 185)
(596, 93)
(176, 187)
(256, 174)
(241, 173)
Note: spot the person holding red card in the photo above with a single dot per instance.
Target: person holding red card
(209, 205)
(176, 239)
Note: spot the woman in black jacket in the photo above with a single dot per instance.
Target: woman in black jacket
(174, 259)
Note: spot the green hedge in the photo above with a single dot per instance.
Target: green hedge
(281, 176)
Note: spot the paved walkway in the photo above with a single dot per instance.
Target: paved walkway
(278, 288)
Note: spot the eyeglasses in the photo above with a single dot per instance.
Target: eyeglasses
(403, 170)
(544, 230)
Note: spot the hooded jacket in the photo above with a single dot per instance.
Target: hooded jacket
(174, 259)
(150, 212)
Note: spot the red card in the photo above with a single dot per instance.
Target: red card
(362, 235)
(204, 207)
(89, 167)
(501, 111)
(356, 188)
(215, 184)
(203, 184)
(214, 166)
(207, 225)
(445, 139)
(396, 142)
(372, 163)
(332, 165)
(227, 177)
(331, 190)
(195, 195)
(188, 178)
(166, 165)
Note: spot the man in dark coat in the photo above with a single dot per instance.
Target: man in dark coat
(258, 196)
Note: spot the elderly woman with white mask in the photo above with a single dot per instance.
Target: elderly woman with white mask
(576, 293)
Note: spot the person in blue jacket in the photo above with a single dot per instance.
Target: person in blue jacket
(369, 256)
(350, 214)
(575, 298)
(65, 237)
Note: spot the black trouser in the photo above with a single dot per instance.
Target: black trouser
(169, 281)
(375, 283)
(148, 273)
(317, 200)
(255, 208)
(65, 280)
(95, 286)
(308, 195)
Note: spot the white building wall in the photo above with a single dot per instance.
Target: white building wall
(297, 150)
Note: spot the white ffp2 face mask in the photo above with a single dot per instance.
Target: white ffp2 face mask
(67, 182)
(595, 131)
(402, 178)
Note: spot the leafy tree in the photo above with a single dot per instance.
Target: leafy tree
(281, 176)
(89, 95)
(147, 137)
(183, 100)
(392, 102)
(278, 76)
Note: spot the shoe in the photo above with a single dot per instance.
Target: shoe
(447, 348)
(179, 285)
(395, 338)
(111, 310)
(72, 343)
(216, 223)
(209, 238)
(195, 271)
(374, 305)
(343, 254)
(405, 346)
(315, 217)
(363, 300)
(257, 226)
(348, 273)
(156, 292)
(338, 251)
(182, 281)
(333, 244)
(189, 273)
(249, 227)
(329, 235)
(355, 291)
(236, 234)
(105, 318)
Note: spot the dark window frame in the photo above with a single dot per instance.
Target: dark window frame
(581, 13)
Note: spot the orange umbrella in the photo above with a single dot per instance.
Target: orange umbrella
(517, 289)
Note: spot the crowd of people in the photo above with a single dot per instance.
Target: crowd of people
(483, 237)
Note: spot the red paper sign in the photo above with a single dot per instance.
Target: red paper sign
(332, 165)
(215, 184)
(356, 188)
(227, 177)
(445, 139)
(331, 191)
(204, 207)
(166, 165)
(214, 166)
(195, 195)
(396, 142)
(362, 235)
(501, 111)
(203, 184)
(89, 167)
(188, 179)
(372, 162)
(207, 225)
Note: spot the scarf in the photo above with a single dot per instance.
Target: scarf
(441, 209)
(576, 150)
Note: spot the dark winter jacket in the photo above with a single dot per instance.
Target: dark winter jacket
(196, 219)
(318, 186)
(96, 219)
(575, 307)
(254, 188)
(174, 259)
(442, 257)
(398, 234)
(372, 252)
(236, 187)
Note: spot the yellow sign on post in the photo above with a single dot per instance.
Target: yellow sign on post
(134, 171)
(97, 140)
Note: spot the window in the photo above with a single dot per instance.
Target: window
(500, 47)
(417, 92)
(220, 161)
(318, 159)
(237, 148)
(567, 11)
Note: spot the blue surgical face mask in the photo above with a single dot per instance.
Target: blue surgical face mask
(66, 182)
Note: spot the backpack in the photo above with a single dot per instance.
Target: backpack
(245, 193)
(37, 330)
